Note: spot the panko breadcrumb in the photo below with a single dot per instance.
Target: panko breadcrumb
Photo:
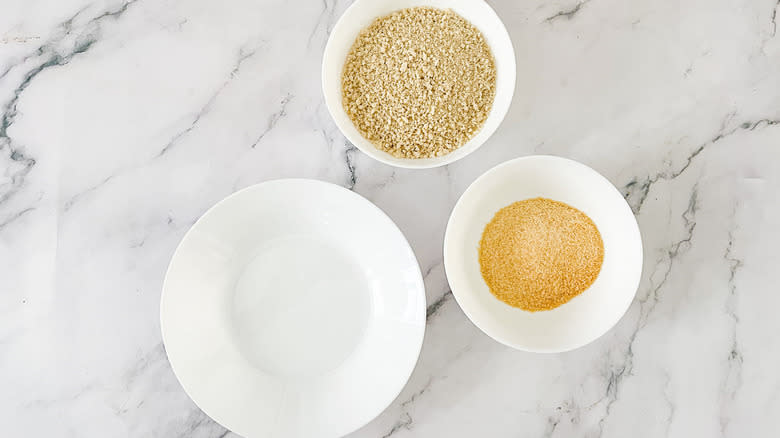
(419, 83)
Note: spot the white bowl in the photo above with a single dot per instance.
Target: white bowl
(293, 308)
(587, 316)
(360, 14)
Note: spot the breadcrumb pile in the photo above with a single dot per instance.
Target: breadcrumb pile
(419, 83)
(538, 254)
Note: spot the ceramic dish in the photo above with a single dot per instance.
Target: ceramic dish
(293, 308)
(360, 14)
(587, 316)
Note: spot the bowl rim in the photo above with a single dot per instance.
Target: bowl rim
(501, 339)
(369, 149)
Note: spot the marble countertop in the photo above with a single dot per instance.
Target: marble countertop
(123, 122)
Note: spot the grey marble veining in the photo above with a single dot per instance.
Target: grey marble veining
(122, 122)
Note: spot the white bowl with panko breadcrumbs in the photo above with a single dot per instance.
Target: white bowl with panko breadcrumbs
(359, 16)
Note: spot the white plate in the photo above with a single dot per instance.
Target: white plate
(587, 316)
(360, 14)
(293, 308)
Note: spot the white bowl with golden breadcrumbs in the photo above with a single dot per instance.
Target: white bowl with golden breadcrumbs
(585, 317)
(361, 14)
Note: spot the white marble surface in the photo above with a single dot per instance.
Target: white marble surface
(123, 122)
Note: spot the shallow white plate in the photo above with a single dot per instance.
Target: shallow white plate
(293, 308)
(360, 14)
(587, 316)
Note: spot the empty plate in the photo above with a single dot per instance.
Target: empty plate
(293, 308)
